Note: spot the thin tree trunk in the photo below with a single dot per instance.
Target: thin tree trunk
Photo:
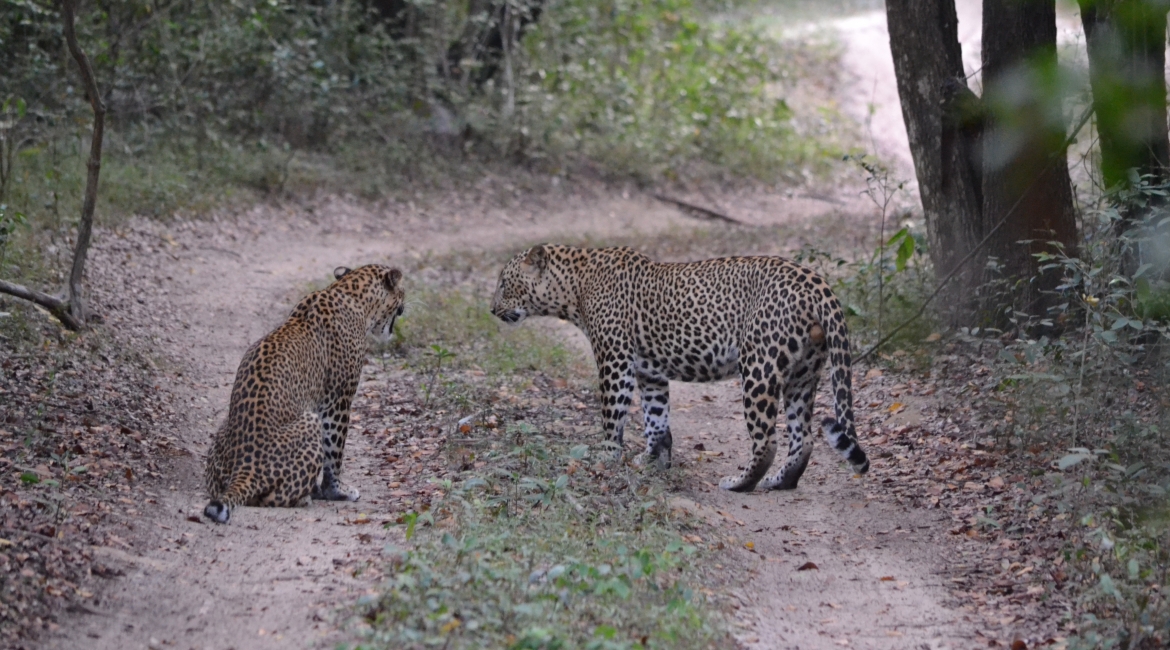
(94, 164)
(943, 121)
(1024, 157)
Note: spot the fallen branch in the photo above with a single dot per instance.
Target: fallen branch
(55, 305)
(698, 209)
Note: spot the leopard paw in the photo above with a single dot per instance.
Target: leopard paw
(218, 512)
(737, 484)
(781, 481)
(336, 492)
(660, 460)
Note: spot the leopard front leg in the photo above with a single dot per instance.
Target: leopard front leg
(761, 396)
(655, 391)
(616, 380)
(334, 427)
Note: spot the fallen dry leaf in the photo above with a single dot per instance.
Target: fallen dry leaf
(807, 566)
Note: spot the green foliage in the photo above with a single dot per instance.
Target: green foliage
(9, 220)
(652, 89)
(886, 289)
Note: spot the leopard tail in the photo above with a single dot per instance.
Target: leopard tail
(840, 430)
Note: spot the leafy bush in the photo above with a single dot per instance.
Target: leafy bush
(652, 90)
(1094, 385)
(464, 325)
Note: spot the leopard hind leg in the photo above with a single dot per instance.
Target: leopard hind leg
(800, 397)
(761, 399)
(800, 440)
(301, 464)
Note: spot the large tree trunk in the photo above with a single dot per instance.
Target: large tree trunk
(943, 120)
(1126, 41)
(1025, 170)
(1127, 63)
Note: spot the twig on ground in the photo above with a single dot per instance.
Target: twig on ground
(698, 209)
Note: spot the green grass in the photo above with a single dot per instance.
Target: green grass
(462, 323)
(525, 568)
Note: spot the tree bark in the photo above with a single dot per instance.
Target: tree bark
(1126, 41)
(1025, 168)
(93, 165)
(480, 52)
(943, 121)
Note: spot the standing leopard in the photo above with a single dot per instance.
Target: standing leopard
(773, 321)
(286, 426)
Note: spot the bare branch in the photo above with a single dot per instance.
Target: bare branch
(698, 209)
(55, 305)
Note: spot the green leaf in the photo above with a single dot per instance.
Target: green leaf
(579, 452)
(29, 478)
(562, 481)
(605, 632)
(410, 519)
(905, 251)
(1134, 569)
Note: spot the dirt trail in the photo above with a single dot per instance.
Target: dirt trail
(271, 579)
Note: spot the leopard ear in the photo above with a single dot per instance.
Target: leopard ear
(537, 256)
(340, 272)
(391, 279)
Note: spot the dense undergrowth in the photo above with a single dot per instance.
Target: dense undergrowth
(214, 103)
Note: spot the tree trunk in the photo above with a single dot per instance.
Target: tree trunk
(1025, 170)
(1126, 41)
(943, 121)
(479, 54)
(93, 165)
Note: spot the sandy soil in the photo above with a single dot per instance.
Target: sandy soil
(272, 579)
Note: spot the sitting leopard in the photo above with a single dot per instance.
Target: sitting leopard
(286, 426)
(771, 320)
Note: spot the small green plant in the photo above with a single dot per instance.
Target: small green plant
(530, 565)
(439, 354)
(9, 221)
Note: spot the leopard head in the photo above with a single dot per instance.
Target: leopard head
(528, 287)
(379, 292)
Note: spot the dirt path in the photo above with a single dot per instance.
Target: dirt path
(272, 579)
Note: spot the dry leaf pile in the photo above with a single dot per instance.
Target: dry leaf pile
(74, 457)
(1011, 520)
